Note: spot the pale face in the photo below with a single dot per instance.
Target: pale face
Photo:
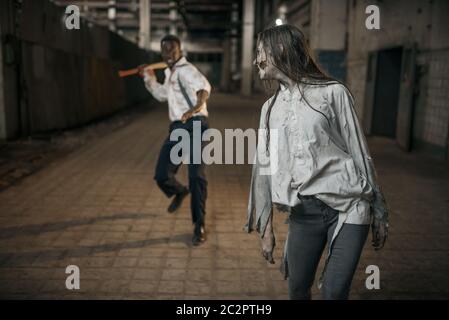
(267, 70)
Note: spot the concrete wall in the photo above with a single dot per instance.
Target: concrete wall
(402, 22)
(67, 77)
(298, 14)
(432, 114)
(2, 94)
(327, 35)
(341, 43)
(328, 25)
(9, 102)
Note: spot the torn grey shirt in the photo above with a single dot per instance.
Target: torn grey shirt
(322, 153)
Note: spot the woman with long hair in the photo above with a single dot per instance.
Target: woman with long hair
(321, 171)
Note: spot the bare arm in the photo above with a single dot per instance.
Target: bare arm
(202, 97)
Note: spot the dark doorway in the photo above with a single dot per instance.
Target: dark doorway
(386, 96)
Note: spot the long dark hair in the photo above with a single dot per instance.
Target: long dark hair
(288, 50)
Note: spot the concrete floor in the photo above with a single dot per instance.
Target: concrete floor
(98, 208)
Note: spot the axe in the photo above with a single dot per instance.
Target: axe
(153, 66)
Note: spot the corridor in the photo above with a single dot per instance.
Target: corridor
(98, 208)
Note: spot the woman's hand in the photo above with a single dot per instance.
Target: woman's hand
(268, 242)
(379, 228)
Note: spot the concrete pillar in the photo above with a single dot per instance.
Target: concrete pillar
(230, 52)
(173, 15)
(247, 45)
(112, 13)
(234, 39)
(145, 24)
(226, 66)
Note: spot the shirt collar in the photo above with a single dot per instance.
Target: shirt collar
(285, 90)
(287, 95)
(180, 62)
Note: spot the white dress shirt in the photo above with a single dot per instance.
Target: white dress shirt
(192, 80)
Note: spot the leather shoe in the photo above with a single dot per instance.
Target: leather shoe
(199, 235)
(177, 201)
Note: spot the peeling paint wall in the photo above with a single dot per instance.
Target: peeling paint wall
(69, 77)
(423, 22)
(2, 96)
(9, 102)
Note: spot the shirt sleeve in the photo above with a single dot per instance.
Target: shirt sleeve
(193, 79)
(260, 205)
(356, 145)
(159, 91)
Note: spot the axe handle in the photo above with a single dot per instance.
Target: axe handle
(131, 72)
(127, 73)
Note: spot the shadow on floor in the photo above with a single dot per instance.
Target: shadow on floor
(12, 259)
(36, 229)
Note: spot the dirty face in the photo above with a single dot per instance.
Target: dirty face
(171, 52)
(263, 62)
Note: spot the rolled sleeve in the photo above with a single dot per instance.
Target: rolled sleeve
(194, 79)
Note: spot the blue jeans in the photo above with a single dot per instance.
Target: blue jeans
(311, 226)
(166, 171)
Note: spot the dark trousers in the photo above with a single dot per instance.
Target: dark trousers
(311, 226)
(166, 171)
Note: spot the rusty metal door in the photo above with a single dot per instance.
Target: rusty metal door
(406, 94)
